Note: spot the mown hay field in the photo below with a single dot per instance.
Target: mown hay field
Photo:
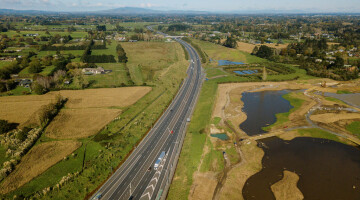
(247, 47)
(80, 123)
(19, 109)
(105, 97)
(38, 160)
(88, 111)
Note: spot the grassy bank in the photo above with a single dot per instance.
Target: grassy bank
(354, 128)
(213, 160)
(194, 143)
(318, 133)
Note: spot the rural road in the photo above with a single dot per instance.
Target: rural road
(133, 180)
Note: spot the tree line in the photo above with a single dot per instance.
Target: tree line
(88, 58)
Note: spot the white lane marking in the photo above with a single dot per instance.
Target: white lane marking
(156, 179)
(178, 136)
(130, 160)
(147, 194)
(187, 94)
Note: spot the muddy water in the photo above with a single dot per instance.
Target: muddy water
(327, 169)
(260, 108)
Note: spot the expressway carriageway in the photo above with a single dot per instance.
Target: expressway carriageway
(133, 180)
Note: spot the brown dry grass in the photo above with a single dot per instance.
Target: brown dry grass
(286, 188)
(18, 109)
(105, 97)
(37, 161)
(332, 43)
(80, 123)
(203, 186)
(247, 47)
(237, 176)
(333, 117)
(90, 110)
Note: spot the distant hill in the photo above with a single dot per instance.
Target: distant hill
(115, 11)
(136, 10)
(128, 10)
(147, 11)
(25, 12)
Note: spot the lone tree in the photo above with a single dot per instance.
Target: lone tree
(264, 52)
(35, 66)
(230, 42)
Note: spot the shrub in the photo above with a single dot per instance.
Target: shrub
(5, 126)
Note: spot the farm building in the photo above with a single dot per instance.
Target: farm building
(90, 71)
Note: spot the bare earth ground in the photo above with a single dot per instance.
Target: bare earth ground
(88, 111)
(286, 188)
(228, 107)
(37, 161)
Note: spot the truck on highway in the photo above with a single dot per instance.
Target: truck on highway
(158, 161)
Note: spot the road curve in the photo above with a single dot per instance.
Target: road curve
(133, 180)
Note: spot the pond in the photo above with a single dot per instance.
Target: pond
(327, 169)
(221, 136)
(228, 62)
(246, 72)
(260, 108)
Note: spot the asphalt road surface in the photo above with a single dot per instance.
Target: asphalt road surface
(134, 180)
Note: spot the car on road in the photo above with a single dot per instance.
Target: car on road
(97, 196)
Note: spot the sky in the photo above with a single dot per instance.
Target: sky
(199, 5)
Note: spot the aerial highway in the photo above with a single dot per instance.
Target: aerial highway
(137, 178)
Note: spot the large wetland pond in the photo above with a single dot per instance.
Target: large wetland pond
(260, 108)
(327, 169)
